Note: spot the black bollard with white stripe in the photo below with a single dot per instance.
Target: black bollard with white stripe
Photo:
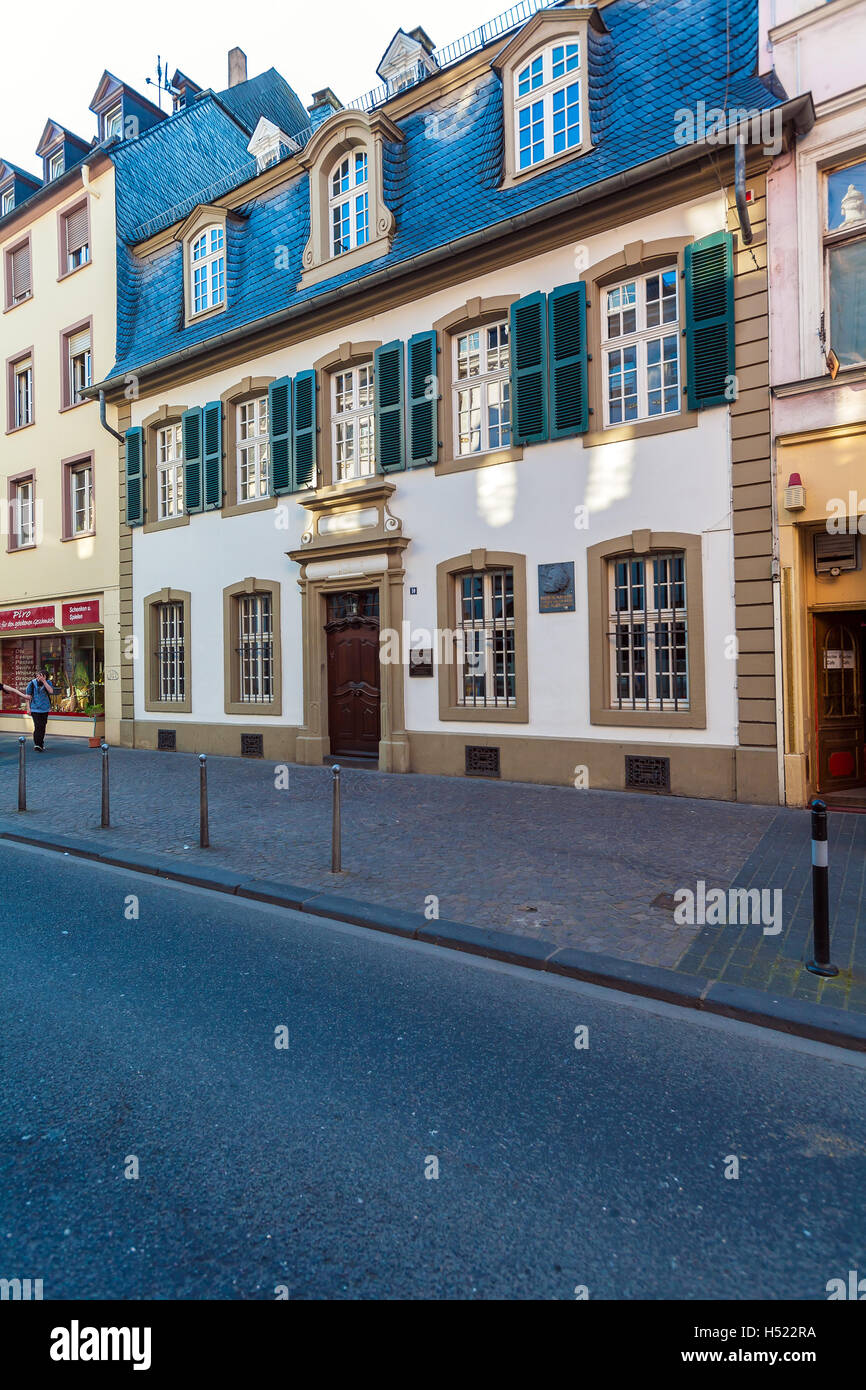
(820, 962)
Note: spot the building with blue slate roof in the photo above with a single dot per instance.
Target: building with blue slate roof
(435, 453)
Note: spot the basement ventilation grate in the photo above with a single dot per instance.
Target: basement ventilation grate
(166, 740)
(647, 774)
(252, 745)
(481, 761)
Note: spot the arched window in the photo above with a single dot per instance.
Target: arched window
(349, 204)
(208, 269)
(547, 103)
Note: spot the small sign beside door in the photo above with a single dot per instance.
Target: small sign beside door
(836, 660)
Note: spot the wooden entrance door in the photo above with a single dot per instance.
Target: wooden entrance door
(839, 700)
(353, 673)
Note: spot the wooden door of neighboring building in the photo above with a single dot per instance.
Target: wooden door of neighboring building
(839, 709)
(353, 673)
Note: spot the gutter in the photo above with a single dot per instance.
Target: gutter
(104, 422)
(800, 111)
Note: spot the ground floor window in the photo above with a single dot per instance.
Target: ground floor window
(256, 649)
(486, 638)
(647, 632)
(171, 652)
(73, 663)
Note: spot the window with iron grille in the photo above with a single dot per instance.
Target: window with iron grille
(171, 663)
(482, 403)
(256, 648)
(252, 435)
(648, 632)
(485, 648)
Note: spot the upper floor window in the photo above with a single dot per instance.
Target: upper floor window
(8, 202)
(647, 632)
(55, 165)
(19, 283)
(547, 104)
(208, 269)
(74, 238)
(80, 500)
(352, 422)
(845, 260)
(112, 124)
(169, 472)
(252, 448)
(23, 513)
(349, 204)
(640, 336)
(21, 393)
(482, 399)
(78, 371)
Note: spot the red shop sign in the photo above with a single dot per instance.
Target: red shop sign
(87, 612)
(26, 619)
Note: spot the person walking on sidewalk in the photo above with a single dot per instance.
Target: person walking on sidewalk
(38, 697)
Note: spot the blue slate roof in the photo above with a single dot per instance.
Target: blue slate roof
(268, 95)
(656, 59)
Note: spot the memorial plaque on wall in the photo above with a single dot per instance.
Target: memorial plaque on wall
(556, 588)
(421, 662)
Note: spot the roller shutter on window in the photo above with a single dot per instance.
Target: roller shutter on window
(77, 229)
(20, 272)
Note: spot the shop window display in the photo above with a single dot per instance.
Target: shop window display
(72, 663)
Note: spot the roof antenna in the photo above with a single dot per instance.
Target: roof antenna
(162, 82)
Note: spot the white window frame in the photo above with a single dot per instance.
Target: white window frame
(256, 648)
(253, 463)
(113, 117)
(207, 269)
(171, 652)
(353, 426)
(8, 202)
(640, 338)
(492, 378)
(79, 367)
(56, 163)
(169, 472)
(539, 69)
(486, 633)
(78, 472)
(24, 512)
(629, 619)
(352, 171)
(22, 379)
(834, 238)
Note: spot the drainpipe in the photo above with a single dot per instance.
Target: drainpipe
(740, 189)
(104, 422)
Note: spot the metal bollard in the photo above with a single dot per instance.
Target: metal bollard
(203, 836)
(105, 822)
(336, 831)
(22, 773)
(820, 962)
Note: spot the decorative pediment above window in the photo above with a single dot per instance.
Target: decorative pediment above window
(269, 144)
(408, 59)
(349, 222)
(545, 90)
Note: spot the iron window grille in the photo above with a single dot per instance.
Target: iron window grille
(171, 654)
(486, 666)
(256, 650)
(648, 633)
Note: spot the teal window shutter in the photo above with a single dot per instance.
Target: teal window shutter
(191, 435)
(528, 336)
(212, 430)
(388, 392)
(569, 410)
(423, 399)
(135, 476)
(709, 270)
(304, 450)
(280, 431)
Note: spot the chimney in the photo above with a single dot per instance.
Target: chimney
(325, 103)
(237, 67)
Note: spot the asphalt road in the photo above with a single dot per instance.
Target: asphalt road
(304, 1167)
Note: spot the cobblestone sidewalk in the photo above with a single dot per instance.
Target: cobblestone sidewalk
(591, 869)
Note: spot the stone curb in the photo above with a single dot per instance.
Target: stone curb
(822, 1023)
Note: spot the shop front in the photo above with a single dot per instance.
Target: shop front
(65, 640)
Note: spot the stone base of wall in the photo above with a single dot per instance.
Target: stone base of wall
(710, 772)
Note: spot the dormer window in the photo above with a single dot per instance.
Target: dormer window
(112, 124)
(8, 202)
(350, 224)
(208, 266)
(544, 71)
(55, 165)
(547, 110)
(349, 204)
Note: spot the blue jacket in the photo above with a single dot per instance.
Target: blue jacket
(39, 697)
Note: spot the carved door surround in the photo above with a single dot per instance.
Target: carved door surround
(351, 541)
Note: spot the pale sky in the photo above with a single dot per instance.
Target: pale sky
(55, 53)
